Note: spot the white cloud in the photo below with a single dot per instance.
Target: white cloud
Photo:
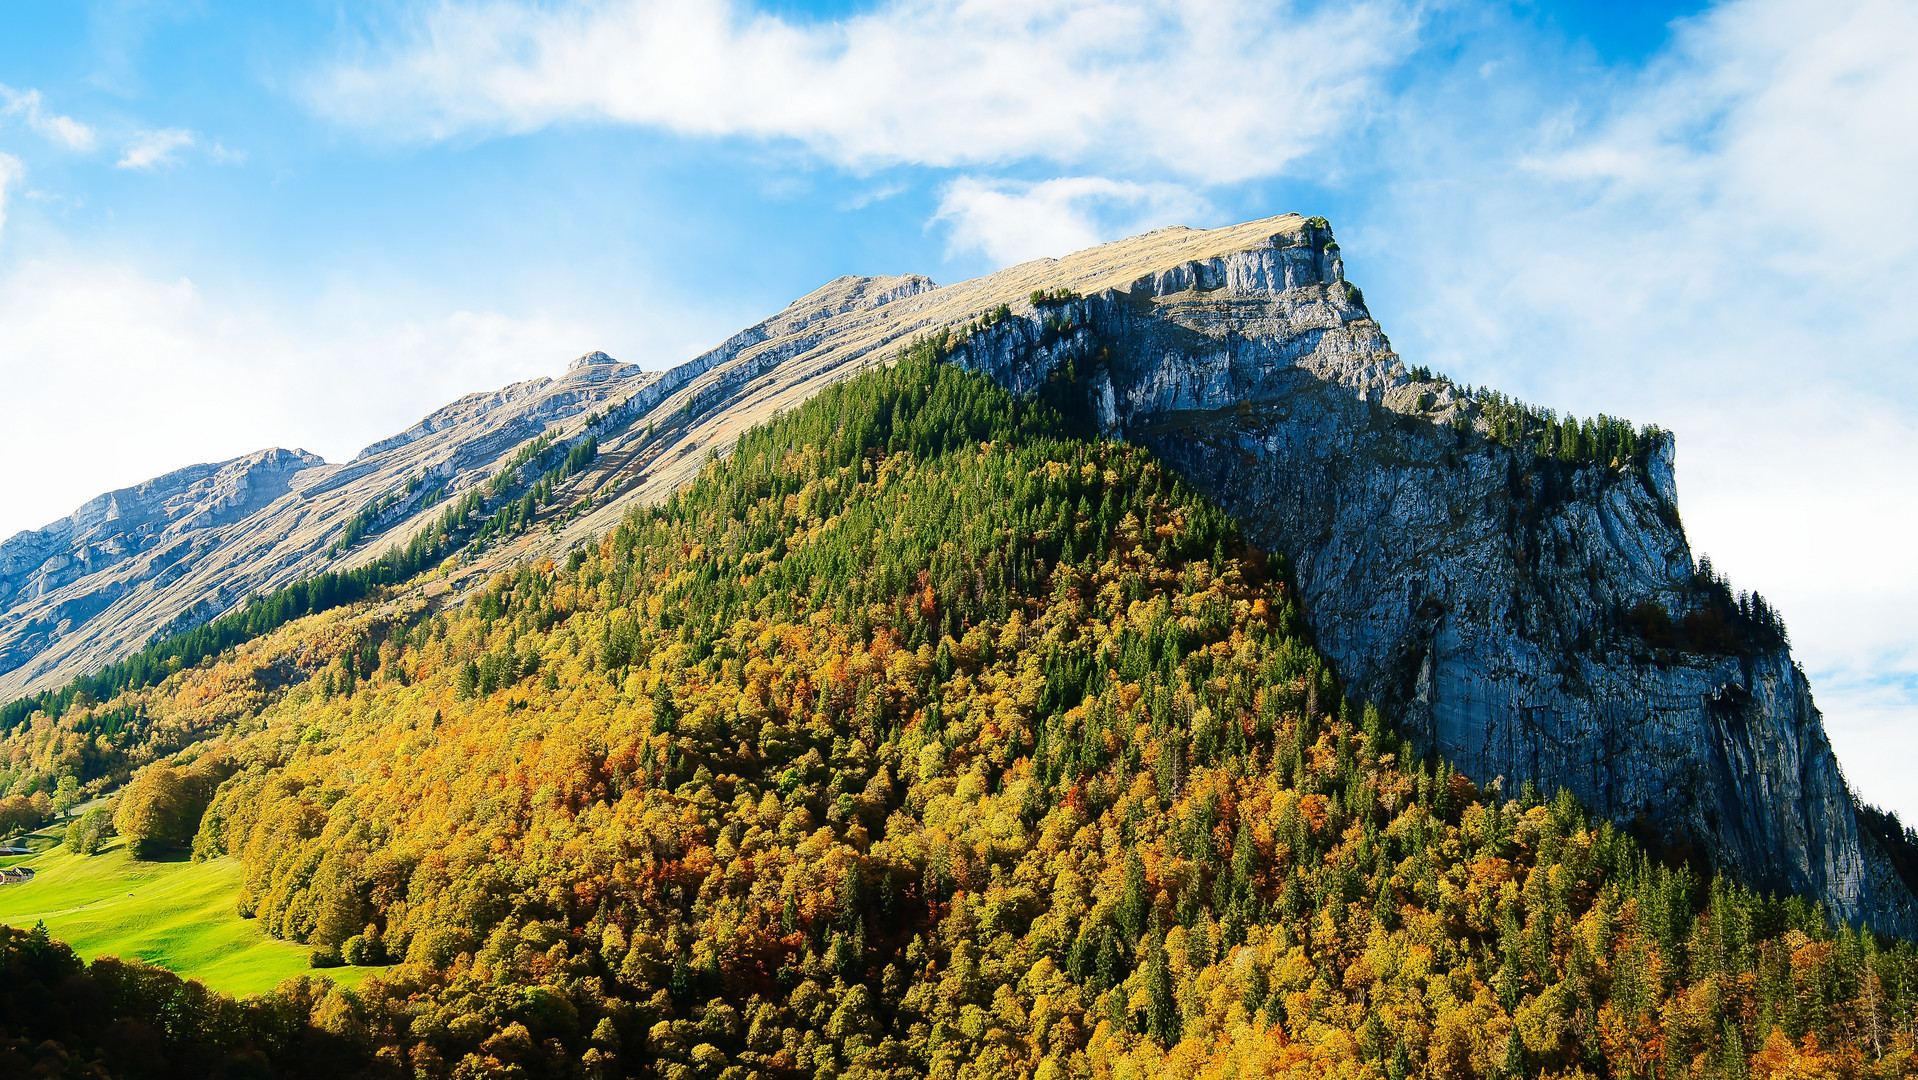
(1012, 222)
(1193, 87)
(64, 130)
(1764, 144)
(10, 170)
(131, 375)
(1869, 721)
(153, 149)
(1724, 243)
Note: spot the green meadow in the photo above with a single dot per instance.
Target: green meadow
(177, 914)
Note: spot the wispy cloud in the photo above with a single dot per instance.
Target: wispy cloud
(1193, 87)
(1722, 241)
(229, 374)
(1011, 222)
(64, 130)
(154, 149)
(10, 170)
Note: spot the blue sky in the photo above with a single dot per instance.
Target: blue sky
(229, 226)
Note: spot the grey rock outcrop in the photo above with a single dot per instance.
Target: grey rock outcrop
(179, 549)
(55, 579)
(1475, 591)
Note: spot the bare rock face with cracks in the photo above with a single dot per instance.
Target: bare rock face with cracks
(1479, 592)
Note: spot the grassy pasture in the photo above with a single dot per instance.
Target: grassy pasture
(177, 914)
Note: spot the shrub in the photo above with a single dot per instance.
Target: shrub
(1654, 624)
(323, 956)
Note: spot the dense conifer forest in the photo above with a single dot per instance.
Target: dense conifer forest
(917, 736)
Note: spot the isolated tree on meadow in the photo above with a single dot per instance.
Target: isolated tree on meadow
(153, 812)
(88, 832)
(17, 815)
(68, 795)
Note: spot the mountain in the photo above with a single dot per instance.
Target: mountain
(1521, 598)
(179, 549)
(925, 734)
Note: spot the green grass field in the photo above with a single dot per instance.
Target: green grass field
(178, 915)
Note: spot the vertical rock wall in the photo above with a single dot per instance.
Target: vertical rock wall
(1476, 590)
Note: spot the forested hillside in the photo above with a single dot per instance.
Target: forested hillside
(920, 736)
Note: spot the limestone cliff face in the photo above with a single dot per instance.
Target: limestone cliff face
(1474, 590)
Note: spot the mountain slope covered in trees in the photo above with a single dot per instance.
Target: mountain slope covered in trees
(921, 736)
(1515, 588)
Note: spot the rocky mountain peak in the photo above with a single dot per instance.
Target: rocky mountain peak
(1493, 598)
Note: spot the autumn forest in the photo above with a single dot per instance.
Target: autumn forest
(918, 736)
